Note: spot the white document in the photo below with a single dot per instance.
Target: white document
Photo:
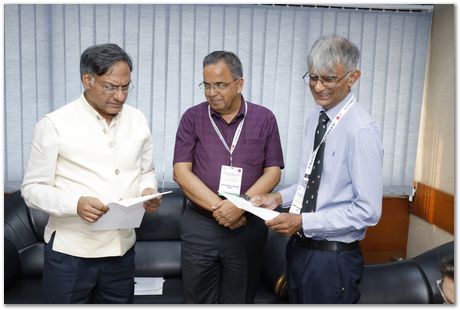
(265, 214)
(124, 214)
(148, 286)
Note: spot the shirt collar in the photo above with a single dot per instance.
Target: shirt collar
(88, 108)
(331, 113)
(241, 112)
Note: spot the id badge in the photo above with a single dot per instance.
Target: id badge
(230, 180)
(296, 206)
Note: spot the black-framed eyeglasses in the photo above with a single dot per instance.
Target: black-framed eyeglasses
(439, 285)
(327, 81)
(216, 86)
(111, 89)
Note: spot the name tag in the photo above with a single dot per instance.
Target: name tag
(296, 206)
(230, 180)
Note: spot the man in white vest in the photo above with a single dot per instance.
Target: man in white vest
(85, 154)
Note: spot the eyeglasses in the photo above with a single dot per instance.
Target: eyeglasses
(439, 285)
(327, 81)
(111, 89)
(216, 86)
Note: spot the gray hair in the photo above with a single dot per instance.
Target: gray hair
(332, 50)
(98, 59)
(231, 60)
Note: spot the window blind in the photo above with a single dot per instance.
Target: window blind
(167, 42)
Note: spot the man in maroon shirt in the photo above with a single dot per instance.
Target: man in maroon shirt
(230, 145)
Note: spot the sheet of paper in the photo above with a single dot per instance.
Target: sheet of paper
(265, 214)
(124, 213)
(148, 286)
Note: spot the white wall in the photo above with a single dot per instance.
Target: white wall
(435, 164)
(424, 236)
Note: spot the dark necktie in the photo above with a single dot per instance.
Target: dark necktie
(309, 199)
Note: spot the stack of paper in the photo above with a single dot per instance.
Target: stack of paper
(148, 286)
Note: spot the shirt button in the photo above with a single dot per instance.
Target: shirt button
(117, 172)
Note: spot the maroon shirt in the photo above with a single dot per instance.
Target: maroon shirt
(258, 147)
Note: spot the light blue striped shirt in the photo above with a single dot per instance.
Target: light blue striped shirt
(350, 194)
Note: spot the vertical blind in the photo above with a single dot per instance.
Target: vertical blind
(167, 43)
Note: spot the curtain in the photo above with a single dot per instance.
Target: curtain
(167, 42)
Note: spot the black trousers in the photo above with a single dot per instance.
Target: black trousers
(322, 277)
(74, 280)
(220, 265)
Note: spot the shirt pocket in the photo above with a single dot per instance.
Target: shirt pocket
(253, 151)
(335, 166)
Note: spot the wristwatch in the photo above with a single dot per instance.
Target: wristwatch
(245, 197)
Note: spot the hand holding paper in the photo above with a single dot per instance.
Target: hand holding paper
(91, 209)
(124, 214)
(151, 205)
(264, 214)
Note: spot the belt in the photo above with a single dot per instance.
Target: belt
(324, 245)
(199, 210)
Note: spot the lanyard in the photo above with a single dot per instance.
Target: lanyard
(237, 133)
(331, 127)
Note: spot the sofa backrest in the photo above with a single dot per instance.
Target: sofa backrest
(25, 226)
(158, 242)
(164, 224)
(400, 282)
(38, 220)
(157, 246)
(274, 270)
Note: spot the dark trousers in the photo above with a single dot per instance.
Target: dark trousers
(220, 265)
(74, 280)
(322, 277)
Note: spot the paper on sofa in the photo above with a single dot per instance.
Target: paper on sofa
(148, 286)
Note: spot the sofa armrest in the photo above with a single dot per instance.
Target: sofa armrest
(17, 227)
(274, 268)
(430, 263)
(12, 264)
